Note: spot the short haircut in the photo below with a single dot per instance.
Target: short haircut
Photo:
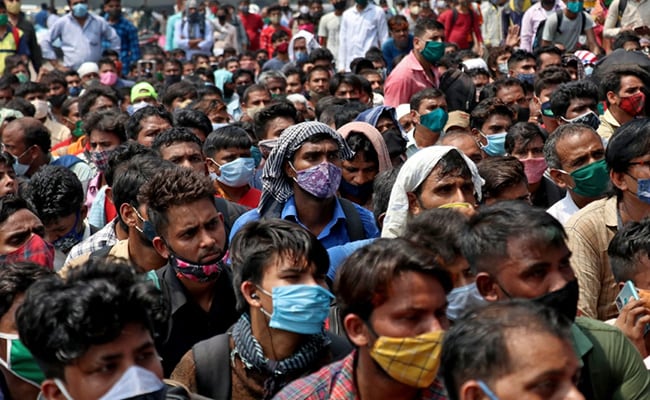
(495, 53)
(173, 187)
(61, 319)
(551, 76)
(133, 124)
(321, 54)
(277, 36)
(280, 109)
(187, 118)
(500, 174)
(35, 134)
(15, 279)
(562, 96)
(175, 135)
(438, 230)
(22, 105)
(628, 249)
(364, 279)
(423, 25)
(611, 80)
(256, 87)
(624, 37)
(224, 138)
(348, 113)
(11, 204)
(123, 153)
(550, 147)
(485, 243)
(381, 188)
(55, 192)
(111, 121)
(205, 90)
(630, 141)
(177, 90)
(260, 243)
(91, 95)
(54, 76)
(360, 144)
(318, 68)
(488, 107)
(30, 87)
(546, 50)
(523, 133)
(476, 346)
(425, 94)
(397, 21)
(66, 107)
(508, 82)
(327, 102)
(345, 78)
(518, 56)
(270, 75)
(295, 71)
(206, 106)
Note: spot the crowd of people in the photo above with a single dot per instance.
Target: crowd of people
(422, 200)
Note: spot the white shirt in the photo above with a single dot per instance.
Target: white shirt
(491, 27)
(329, 27)
(531, 20)
(636, 14)
(359, 32)
(563, 209)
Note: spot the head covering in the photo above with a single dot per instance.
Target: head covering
(141, 90)
(87, 68)
(569, 59)
(309, 38)
(457, 118)
(587, 57)
(221, 77)
(402, 110)
(476, 63)
(372, 115)
(375, 138)
(9, 113)
(415, 171)
(275, 184)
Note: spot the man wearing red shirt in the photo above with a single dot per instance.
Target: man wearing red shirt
(462, 26)
(252, 23)
(266, 43)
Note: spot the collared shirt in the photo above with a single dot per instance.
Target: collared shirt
(636, 14)
(182, 37)
(130, 44)
(491, 26)
(60, 257)
(563, 209)
(102, 238)
(336, 381)
(360, 30)
(608, 124)
(169, 32)
(407, 79)
(190, 323)
(530, 22)
(590, 230)
(335, 232)
(391, 52)
(80, 43)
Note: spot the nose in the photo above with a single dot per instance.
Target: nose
(208, 241)
(574, 394)
(558, 280)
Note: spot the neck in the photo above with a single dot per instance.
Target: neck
(632, 209)
(619, 115)
(582, 201)
(548, 7)
(282, 56)
(534, 187)
(144, 257)
(374, 383)
(232, 193)
(359, 8)
(120, 232)
(424, 63)
(462, 8)
(276, 344)
(81, 21)
(313, 212)
(424, 137)
(569, 14)
(338, 13)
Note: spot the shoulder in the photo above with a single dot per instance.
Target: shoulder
(591, 214)
(318, 385)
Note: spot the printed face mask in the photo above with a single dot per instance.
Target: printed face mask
(633, 105)
(589, 118)
(299, 308)
(321, 180)
(35, 250)
(67, 242)
(196, 272)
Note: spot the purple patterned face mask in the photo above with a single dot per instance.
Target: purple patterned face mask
(321, 180)
(196, 272)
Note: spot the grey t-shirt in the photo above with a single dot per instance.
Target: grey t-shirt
(570, 30)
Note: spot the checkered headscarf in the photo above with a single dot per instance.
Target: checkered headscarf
(275, 184)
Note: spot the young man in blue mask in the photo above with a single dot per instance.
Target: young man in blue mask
(392, 296)
(490, 121)
(520, 252)
(279, 277)
(591, 229)
(576, 102)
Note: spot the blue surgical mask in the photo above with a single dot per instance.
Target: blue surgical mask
(589, 70)
(435, 120)
(503, 68)
(526, 78)
(361, 192)
(301, 57)
(236, 173)
(496, 144)
(643, 190)
(462, 299)
(299, 308)
(74, 91)
(80, 10)
(19, 168)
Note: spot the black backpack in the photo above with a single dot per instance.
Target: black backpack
(537, 42)
(459, 90)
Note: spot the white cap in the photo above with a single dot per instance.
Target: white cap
(87, 68)
(474, 63)
(402, 110)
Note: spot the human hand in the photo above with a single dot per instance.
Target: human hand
(632, 321)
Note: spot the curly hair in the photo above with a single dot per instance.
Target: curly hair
(55, 192)
(15, 279)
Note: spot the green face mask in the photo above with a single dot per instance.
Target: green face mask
(22, 77)
(78, 129)
(20, 361)
(4, 19)
(433, 51)
(435, 120)
(591, 180)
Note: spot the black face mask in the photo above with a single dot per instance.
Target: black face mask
(57, 100)
(171, 79)
(523, 114)
(564, 301)
(340, 6)
(241, 89)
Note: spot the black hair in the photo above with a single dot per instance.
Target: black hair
(628, 142)
(424, 94)
(90, 96)
(327, 102)
(345, 78)
(35, 134)
(476, 346)
(111, 121)
(256, 87)
(422, 25)
(321, 54)
(280, 109)
(15, 279)
(241, 72)
(360, 144)
(628, 249)
(438, 230)
(188, 118)
(550, 147)
(562, 96)
(500, 174)
(611, 80)
(175, 135)
(278, 35)
(22, 105)
(11, 204)
(348, 113)
(381, 188)
(624, 37)
(258, 244)
(485, 243)
(224, 138)
(133, 124)
(204, 90)
(523, 133)
(62, 318)
(29, 88)
(179, 89)
(551, 76)
(122, 154)
(519, 56)
(452, 164)
(546, 50)
(488, 107)
(55, 192)
(508, 82)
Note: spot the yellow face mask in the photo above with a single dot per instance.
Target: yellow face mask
(413, 361)
(458, 204)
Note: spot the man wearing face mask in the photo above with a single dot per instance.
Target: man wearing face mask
(129, 42)
(575, 156)
(57, 93)
(564, 27)
(81, 34)
(21, 234)
(576, 102)
(36, 94)
(225, 34)
(12, 41)
(511, 92)
(274, 13)
(300, 179)
(393, 359)
(625, 92)
(417, 71)
(490, 121)
(362, 27)
(283, 317)
(592, 228)
(196, 277)
(519, 251)
(429, 116)
(537, 13)
(255, 98)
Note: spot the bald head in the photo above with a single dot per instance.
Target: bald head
(464, 142)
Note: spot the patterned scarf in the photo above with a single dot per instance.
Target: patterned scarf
(249, 351)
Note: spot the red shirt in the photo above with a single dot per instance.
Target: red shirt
(253, 24)
(265, 38)
(461, 31)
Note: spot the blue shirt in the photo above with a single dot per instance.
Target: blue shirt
(80, 43)
(169, 33)
(335, 232)
(338, 254)
(130, 44)
(390, 52)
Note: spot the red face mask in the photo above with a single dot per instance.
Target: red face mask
(283, 47)
(35, 250)
(633, 105)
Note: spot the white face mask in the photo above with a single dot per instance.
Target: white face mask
(135, 383)
(41, 108)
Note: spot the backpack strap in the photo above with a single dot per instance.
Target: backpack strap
(582, 24)
(212, 360)
(560, 14)
(352, 220)
(621, 8)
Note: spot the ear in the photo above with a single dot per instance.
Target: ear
(83, 213)
(288, 171)
(487, 286)
(415, 117)
(212, 167)
(380, 220)
(161, 247)
(128, 215)
(414, 204)
(620, 285)
(51, 391)
(537, 101)
(249, 290)
(611, 97)
(561, 179)
(618, 180)
(356, 329)
(470, 390)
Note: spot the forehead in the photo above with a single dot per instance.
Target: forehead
(20, 220)
(408, 290)
(178, 148)
(544, 245)
(322, 146)
(153, 120)
(431, 34)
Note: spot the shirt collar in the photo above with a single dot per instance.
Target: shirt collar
(289, 210)
(581, 343)
(177, 295)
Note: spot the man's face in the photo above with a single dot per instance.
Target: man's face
(579, 107)
(248, 62)
(376, 82)
(171, 69)
(533, 149)
(359, 170)
(35, 96)
(549, 60)
(428, 105)
(232, 66)
(385, 123)
(103, 140)
(56, 89)
(17, 229)
(312, 154)
(319, 82)
(276, 126)
(8, 183)
(227, 155)
(542, 367)
(345, 91)
(102, 103)
(184, 154)
(219, 116)
(513, 192)
(94, 373)
(513, 95)
(439, 189)
(577, 151)
(293, 84)
(64, 225)
(523, 67)
(276, 86)
(400, 34)
(260, 98)
(480, 81)
(419, 43)
(202, 62)
(243, 80)
(300, 45)
(494, 124)
(631, 46)
(642, 278)
(197, 234)
(73, 80)
(6, 95)
(112, 5)
(150, 127)
(188, 69)
(630, 85)
(13, 139)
